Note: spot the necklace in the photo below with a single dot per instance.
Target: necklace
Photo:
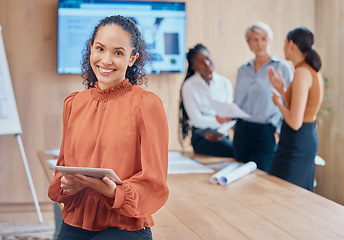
(99, 109)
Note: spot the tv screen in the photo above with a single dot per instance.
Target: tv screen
(162, 25)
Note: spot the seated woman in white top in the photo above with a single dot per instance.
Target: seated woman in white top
(201, 85)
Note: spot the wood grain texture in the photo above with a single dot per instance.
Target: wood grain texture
(329, 40)
(257, 206)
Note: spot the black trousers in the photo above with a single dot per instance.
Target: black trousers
(73, 233)
(254, 142)
(201, 145)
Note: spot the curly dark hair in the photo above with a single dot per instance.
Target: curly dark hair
(135, 73)
(184, 127)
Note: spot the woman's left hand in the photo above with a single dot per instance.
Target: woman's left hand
(105, 186)
(211, 137)
(276, 98)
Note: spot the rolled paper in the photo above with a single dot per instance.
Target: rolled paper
(237, 173)
(224, 171)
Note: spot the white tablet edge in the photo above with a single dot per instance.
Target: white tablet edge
(92, 172)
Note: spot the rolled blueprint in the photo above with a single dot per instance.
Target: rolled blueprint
(224, 171)
(237, 173)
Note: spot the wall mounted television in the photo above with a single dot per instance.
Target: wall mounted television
(161, 23)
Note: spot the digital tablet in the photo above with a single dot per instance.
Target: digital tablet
(90, 172)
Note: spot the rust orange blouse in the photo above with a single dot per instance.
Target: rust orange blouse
(128, 134)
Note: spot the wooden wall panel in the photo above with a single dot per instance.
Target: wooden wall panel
(329, 43)
(29, 29)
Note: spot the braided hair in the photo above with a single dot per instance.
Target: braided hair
(184, 127)
(135, 73)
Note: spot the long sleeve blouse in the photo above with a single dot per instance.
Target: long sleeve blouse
(128, 133)
(253, 91)
(197, 96)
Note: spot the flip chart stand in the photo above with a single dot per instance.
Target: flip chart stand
(28, 174)
(9, 119)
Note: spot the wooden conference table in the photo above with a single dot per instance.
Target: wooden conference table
(257, 206)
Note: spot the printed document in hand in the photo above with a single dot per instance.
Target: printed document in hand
(224, 128)
(230, 110)
(221, 131)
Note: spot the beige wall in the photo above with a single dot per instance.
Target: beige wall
(29, 32)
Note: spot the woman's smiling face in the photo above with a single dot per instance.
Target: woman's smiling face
(111, 55)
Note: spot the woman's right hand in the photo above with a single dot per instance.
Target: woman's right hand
(105, 185)
(70, 184)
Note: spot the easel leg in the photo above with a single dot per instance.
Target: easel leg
(28, 174)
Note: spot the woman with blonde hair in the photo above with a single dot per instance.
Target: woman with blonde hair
(255, 137)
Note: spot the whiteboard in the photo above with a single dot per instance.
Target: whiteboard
(9, 119)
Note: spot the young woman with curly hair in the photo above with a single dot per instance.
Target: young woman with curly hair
(112, 124)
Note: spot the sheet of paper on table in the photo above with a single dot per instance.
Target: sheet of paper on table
(179, 164)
